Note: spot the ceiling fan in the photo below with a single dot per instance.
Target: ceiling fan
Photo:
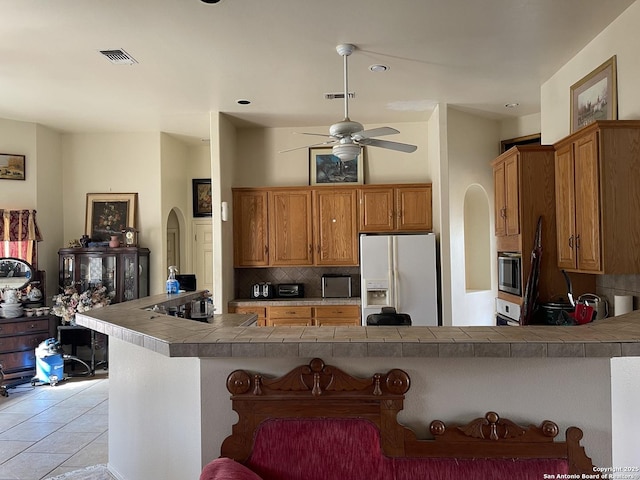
(348, 136)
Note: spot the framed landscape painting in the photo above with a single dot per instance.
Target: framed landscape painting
(109, 214)
(595, 97)
(12, 166)
(327, 169)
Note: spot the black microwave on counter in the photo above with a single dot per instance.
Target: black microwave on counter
(510, 272)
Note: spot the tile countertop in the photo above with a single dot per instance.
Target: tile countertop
(231, 335)
(280, 302)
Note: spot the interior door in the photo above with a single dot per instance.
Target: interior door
(203, 256)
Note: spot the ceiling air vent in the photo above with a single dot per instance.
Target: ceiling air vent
(334, 96)
(119, 57)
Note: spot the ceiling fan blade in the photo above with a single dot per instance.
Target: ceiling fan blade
(401, 147)
(331, 142)
(374, 132)
(316, 134)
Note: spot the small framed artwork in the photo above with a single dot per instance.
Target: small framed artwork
(201, 197)
(595, 97)
(109, 214)
(327, 169)
(11, 166)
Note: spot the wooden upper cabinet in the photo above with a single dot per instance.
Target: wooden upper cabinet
(377, 209)
(578, 204)
(250, 228)
(413, 208)
(565, 207)
(507, 193)
(290, 227)
(500, 202)
(336, 227)
(598, 198)
(389, 208)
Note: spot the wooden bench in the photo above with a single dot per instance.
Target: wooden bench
(319, 423)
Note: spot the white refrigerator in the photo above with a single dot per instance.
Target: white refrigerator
(400, 271)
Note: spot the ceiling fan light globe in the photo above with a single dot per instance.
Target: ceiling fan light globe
(346, 152)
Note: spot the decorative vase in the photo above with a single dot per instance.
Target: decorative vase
(115, 241)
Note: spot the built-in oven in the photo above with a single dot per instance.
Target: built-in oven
(510, 272)
(507, 313)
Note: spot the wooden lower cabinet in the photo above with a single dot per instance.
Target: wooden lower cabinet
(339, 315)
(303, 316)
(289, 316)
(261, 312)
(19, 338)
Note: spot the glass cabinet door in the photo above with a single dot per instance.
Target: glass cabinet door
(97, 270)
(67, 271)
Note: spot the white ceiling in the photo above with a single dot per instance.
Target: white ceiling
(280, 54)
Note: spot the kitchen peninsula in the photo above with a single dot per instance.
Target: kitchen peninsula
(169, 410)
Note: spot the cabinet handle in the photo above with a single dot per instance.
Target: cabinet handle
(578, 241)
(391, 213)
(503, 212)
(571, 242)
(266, 249)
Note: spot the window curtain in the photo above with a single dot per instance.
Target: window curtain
(19, 233)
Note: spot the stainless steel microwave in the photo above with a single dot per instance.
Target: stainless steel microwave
(510, 273)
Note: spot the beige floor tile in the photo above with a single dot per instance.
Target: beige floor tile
(31, 466)
(11, 448)
(92, 454)
(62, 442)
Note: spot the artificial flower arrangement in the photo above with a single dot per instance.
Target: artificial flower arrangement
(69, 302)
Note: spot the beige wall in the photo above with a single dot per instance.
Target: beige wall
(117, 163)
(620, 38)
(258, 162)
(472, 144)
(41, 188)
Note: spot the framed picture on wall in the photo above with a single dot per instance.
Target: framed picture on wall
(109, 214)
(11, 166)
(327, 169)
(595, 97)
(201, 197)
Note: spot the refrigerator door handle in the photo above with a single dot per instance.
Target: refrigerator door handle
(395, 273)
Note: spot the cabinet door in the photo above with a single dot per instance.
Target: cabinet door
(500, 199)
(338, 315)
(376, 209)
(336, 234)
(250, 234)
(98, 269)
(413, 206)
(587, 186)
(512, 197)
(290, 227)
(565, 207)
(289, 316)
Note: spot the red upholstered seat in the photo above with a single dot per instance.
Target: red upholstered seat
(319, 449)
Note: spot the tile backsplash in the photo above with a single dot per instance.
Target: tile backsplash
(607, 286)
(310, 276)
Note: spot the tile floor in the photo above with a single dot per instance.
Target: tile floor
(46, 431)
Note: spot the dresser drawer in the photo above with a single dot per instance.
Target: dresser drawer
(18, 360)
(22, 342)
(24, 326)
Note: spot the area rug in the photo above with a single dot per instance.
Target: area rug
(94, 472)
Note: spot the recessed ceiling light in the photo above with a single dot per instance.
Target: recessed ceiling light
(379, 68)
(243, 102)
(511, 105)
(209, 1)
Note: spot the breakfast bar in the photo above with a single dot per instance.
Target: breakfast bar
(169, 409)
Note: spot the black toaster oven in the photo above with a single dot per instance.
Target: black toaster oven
(290, 290)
